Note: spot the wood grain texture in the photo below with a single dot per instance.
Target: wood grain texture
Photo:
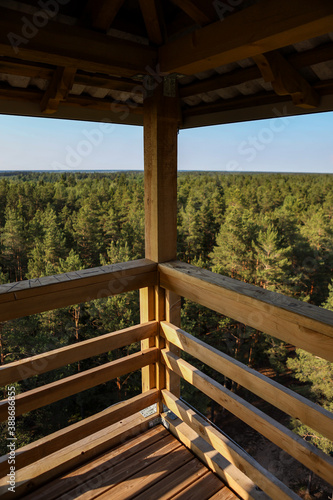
(147, 313)
(27, 297)
(247, 33)
(313, 458)
(37, 474)
(75, 481)
(55, 391)
(161, 117)
(276, 394)
(64, 45)
(42, 363)
(45, 446)
(260, 476)
(303, 325)
(230, 475)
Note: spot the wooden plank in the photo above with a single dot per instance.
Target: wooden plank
(298, 60)
(174, 482)
(58, 89)
(224, 494)
(202, 489)
(154, 472)
(13, 67)
(105, 82)
(147, 313)
(313, 458)
(55, 391)
(172, 315)
(111, 478)
(276, 394)
(35, 365)
(160, 343)
(152, 19)
(37, 474)
(88, 472)
(30, 297)
(286, 80)
(63, 45)
(304, 325)
(235, 455)
(247, 33)
(230, 475)
(161, 117)
(38, 450)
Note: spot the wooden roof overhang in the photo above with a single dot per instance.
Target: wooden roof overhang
(231, 60)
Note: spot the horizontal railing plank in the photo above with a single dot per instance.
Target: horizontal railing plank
(301, 324)
(47, 394)
(47, 445)
(35, 365)
(23, 298)
(276, 394)
(234, 454)
(313, 458)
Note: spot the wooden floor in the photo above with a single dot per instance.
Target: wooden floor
(153, 465)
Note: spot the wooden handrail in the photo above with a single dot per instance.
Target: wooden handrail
(294, 445)
(47, 394)
(51, 360)
(276, 394)
(23, 298)
(301, 324)
(235, 455)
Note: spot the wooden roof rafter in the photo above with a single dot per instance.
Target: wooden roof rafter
(63, 45)
(153, 19)
(247, 33)
(100, 14)
(200, 11)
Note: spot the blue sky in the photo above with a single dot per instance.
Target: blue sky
(291, 144)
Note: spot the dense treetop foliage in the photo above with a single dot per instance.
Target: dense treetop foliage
(272, 230)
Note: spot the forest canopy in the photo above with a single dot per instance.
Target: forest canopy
(272, 230)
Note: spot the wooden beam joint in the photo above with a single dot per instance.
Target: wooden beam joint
(286, 80)
(58, 89)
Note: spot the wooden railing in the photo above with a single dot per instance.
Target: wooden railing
(35, 462)
(303, 325)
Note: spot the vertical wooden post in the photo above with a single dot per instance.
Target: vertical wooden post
(161, 119)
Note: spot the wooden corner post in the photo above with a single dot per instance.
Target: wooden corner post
(161, 121)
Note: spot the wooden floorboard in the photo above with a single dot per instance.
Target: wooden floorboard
(153, 465)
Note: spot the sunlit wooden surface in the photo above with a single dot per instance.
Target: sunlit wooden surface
(153, 465)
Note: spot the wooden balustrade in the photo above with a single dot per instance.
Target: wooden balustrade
(47, 394)
(298, 323)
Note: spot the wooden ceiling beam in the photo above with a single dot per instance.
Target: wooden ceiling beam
(298, 60)
(106, 105)
(152, 19)
(263, 27)
(286, 80)
(201, 12)
(63, 45)
(323, 88)
(58, 89)
(100, 14)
